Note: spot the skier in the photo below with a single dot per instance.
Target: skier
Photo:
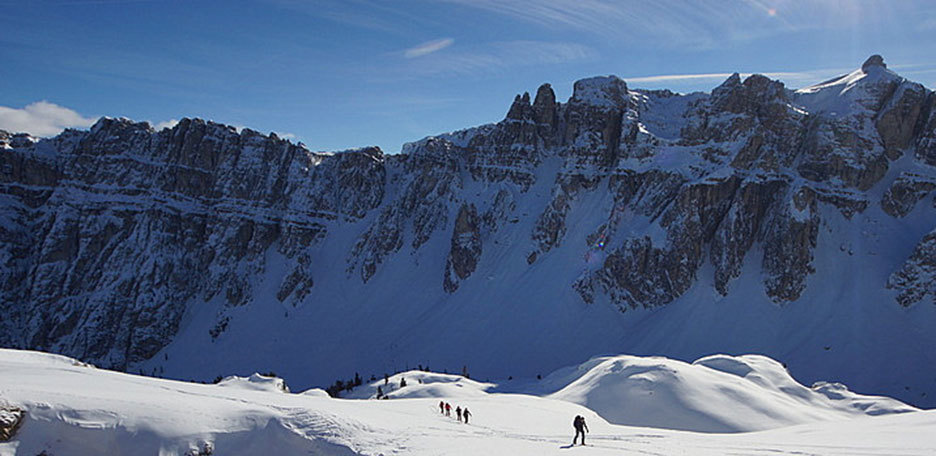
(448, 409)
(580, 428)
(442, 407)
(465, 414)
(458, 413)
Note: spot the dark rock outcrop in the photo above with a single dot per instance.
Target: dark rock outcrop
(916, 279)
(11, 418)
(466, 247)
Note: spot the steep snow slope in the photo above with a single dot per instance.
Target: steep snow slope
(77, 409)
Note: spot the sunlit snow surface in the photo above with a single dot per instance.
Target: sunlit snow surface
(77, 409)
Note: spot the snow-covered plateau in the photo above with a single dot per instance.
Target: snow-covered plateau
(631, 405)
(754, 219)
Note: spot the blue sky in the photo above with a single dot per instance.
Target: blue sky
(338, 74)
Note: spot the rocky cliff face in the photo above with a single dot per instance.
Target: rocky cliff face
(114, 240)
(109, 234)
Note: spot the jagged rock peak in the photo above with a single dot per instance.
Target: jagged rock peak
(107, 123)
(520, 106)
(873, 61)
(10, 140)
(763, 86)
(544, 106)
(606, 91)
(371, 152)
(113, 124)
(544, 95)
(187, 122)
(736, 96)
(733, 81)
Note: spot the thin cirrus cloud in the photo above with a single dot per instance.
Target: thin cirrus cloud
(498, 56)
(428, 48)
(42, 118)
(695, 23)
(712, 76)
(791, 79)
(664, 21)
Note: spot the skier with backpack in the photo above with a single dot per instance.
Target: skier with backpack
(580, 428)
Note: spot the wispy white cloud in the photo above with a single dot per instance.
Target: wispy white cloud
(678, 77)
(692, 24)
(42, 118)
(917, 72)
(661, 22)
(368, 15)
(713, 76)
(428, 48)
(498, 56)
(791, 79)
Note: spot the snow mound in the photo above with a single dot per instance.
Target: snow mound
(255, 382)
(314, 392)
(422, 384)
(39, 358)
(870, 405)
(717, 393)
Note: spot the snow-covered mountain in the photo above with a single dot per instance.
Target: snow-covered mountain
(752, 219)
(56, 405)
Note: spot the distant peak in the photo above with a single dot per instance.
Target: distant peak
(732, 81)
(520, 106)
(544, 106)
(611, 82)
(730, 85)
(118, 123)
(544, 95)
(600, 91)
(873, 61)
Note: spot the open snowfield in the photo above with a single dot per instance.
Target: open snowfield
(76, 409)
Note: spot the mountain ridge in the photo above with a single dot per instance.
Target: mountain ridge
(132, 248)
